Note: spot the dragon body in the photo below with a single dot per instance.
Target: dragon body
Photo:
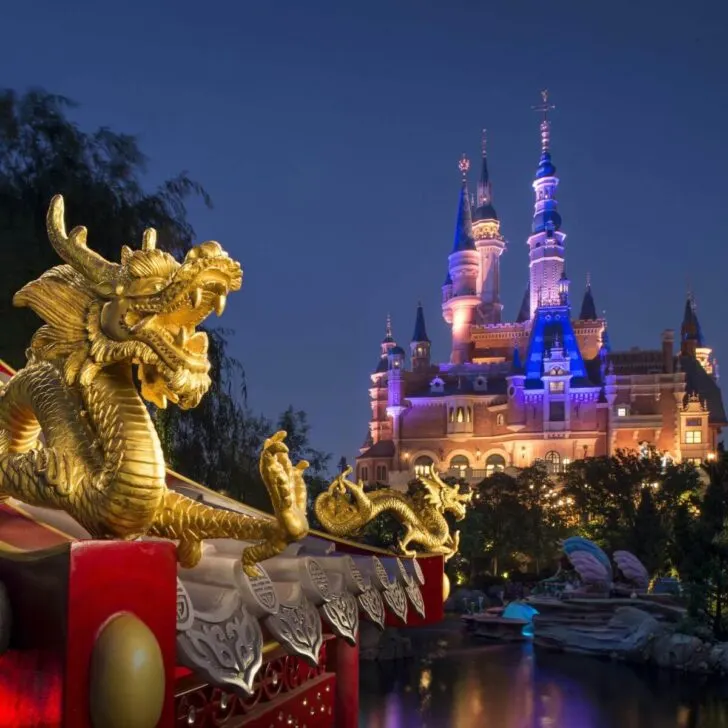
(75, 432)
(345, 508)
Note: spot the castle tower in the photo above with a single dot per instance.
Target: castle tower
(460, 307)
(490, 244)
(588, 308)
(546, 243)
(379, 424)
(420, 344)
(691, 337)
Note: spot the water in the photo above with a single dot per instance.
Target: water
(460, 685)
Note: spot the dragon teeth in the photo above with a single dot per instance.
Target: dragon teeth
(196, 297)
(220, 302)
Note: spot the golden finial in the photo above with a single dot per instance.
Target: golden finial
(483, 140)
(588, 279)
(388, 330)
(464, 166)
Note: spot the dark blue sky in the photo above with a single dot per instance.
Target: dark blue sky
(328, 134)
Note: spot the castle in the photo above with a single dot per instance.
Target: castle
(546, 386)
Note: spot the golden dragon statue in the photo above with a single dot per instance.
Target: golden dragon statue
(75, 433)
(344, 509)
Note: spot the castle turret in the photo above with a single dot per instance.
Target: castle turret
(490, 244)
(691, 337)
(588, 308)
(464, 267)
(420, 344)
(546, 243)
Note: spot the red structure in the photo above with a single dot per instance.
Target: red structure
(76, 614)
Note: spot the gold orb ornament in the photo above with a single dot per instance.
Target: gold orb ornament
(127, 675)
(445, 586)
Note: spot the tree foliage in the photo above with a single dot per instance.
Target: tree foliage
(100, 174)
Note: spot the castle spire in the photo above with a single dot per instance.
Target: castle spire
(464, 225)
(546, 244)
(484, 201)
(420, 344)
(588, 308)
(420, 332)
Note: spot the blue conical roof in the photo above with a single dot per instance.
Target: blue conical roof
(588, 309)
(464, 226)
(420, 333)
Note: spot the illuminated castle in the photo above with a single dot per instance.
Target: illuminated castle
(543, 387)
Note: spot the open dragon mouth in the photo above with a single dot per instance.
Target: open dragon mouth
(165, 322)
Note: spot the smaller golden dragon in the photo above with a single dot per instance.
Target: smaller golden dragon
(344, 509)
(75, 433)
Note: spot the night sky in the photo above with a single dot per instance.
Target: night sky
(328, 135)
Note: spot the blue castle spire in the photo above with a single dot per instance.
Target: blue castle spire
(464, 226)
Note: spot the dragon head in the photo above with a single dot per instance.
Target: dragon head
(142, 311)
(448, 498)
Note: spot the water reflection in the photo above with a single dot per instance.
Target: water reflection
(508, 686)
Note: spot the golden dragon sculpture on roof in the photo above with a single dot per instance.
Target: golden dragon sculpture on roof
(344, 509)
(99, 458)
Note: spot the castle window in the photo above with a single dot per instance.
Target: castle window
(461, 415)
(694, 421)
(557, 411)
(693, 437)
(461, 464)
(621, 411)
(556, 387)
(437, 386)
(381, 473)
(511, 391)
(494, 463)
(364, 474)
(500, 420)
(469, 414)
(423, 465)
(553, 462)
(695, 461)
(452, 414)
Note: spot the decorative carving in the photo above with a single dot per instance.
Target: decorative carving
(370, 600)
(344, 509)
(415, 597)
(298, 628)
(185, 610)
(225, 646)
(342, 614)
(318, 578)
(396, 600)
(103, 322)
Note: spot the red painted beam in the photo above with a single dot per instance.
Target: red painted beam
(60, 600)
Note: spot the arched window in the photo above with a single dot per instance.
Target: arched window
(364, 474)
(499, 419)
(553, 462)
(461, 464)
(461, 414)
(495, 463)
(423, 465)
(452, 415)
(381, 473)
(469, 414)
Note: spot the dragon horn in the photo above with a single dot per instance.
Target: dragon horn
(71, 247)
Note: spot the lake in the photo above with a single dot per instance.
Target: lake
(454, 684)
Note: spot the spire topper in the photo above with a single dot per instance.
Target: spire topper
(388, 329)
(483, 140)
(464, 166)
(544, 107)
(588, 279)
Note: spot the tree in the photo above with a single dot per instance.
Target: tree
(43, 153)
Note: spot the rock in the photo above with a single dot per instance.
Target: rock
(681, 652)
